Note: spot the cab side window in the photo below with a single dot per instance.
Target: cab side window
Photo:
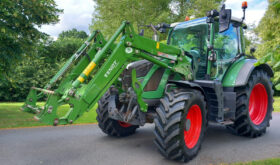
(226, 43)
(226, 49)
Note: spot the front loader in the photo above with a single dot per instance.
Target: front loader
(201, 75)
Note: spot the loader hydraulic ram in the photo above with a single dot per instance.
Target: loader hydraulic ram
(202, 74)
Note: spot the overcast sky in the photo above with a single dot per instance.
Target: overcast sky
(78, 14)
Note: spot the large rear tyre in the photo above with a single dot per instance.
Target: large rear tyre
(180, 124)
(254, 105)
(110, 126)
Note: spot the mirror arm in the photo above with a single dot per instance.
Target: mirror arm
(244, 7)
(243, 15)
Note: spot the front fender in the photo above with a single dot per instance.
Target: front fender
(187, 84)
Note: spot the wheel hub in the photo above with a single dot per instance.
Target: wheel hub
(187, 125)
(258, 104)
(124, 124)
(193, 126)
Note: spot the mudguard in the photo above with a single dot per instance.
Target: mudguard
(239, 73)
(187, 84)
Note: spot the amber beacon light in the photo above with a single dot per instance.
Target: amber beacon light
(244, 5)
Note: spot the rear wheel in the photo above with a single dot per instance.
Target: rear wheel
(110, 126)
(180, 124)
(254, 105)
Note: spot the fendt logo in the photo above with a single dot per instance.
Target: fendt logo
(114, 64)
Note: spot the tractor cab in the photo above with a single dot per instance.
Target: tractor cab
(194, 38)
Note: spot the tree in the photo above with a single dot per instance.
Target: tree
(195, 8)
(74, 33)
(19, 20)
(108, 15)
(65, 47)
(37, 68)
(269, 31)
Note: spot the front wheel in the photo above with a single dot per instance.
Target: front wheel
(110, 126)
(180, 124)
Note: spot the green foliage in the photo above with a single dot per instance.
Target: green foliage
(197, 8)
(269, 31)
(74, 33)
(64, 48)
(108, 15)
(31, 71)
(37, 68)
(18, 22)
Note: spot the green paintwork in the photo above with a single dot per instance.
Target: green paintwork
(209, 65)
(136, 85)
(31, 100)
(184, 67)
(232, 73)
(158, 93)
(72, 59)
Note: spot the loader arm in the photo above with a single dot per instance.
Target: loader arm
(107, 59)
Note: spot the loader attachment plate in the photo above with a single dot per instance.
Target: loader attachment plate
(48, 113)
(30, 103)
(50, 107)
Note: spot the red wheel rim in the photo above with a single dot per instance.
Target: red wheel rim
(258, 104)
(124, 124)
(193, 126)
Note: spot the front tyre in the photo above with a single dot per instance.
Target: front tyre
(254, 105)
(110, 126)
(180, 124)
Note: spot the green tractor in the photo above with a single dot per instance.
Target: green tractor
(201, 75)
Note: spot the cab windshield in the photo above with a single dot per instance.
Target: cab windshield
(191, 35)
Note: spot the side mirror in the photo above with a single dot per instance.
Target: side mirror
(224, 19)
(252, 50)
(141, 33)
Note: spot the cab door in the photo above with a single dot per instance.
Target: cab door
(226, 48)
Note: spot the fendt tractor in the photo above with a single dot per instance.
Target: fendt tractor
(201, 75)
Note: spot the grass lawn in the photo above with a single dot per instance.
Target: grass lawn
(11, 116)
(276, 105)
(273, 161)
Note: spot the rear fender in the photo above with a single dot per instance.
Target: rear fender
(239, 73)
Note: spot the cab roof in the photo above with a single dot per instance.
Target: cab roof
(199, 21)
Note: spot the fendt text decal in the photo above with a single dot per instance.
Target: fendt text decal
(114, 64)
